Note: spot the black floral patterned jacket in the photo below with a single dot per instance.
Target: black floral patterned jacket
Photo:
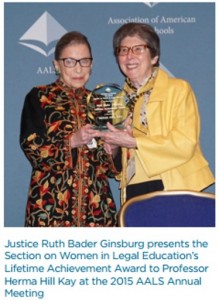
(69, 187)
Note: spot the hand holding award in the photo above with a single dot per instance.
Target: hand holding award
(108, 103)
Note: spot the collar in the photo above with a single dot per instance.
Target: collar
(67, 89)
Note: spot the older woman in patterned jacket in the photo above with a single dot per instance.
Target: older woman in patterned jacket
(69, 183)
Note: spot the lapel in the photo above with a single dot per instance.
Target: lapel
(153, 110)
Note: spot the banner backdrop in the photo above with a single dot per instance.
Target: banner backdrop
(187, 33)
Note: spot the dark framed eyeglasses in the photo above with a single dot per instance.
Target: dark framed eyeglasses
(70, 62)
(137, 50)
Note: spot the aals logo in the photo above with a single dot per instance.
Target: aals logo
(151, 4)
(42, 34)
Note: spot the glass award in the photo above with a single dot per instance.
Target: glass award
(108, 103)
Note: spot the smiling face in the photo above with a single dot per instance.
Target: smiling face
(77, 76)
(137, 67)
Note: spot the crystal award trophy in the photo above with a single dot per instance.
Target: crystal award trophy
(108, 103)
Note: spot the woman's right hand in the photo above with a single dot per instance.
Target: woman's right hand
(118, 137)
(83, 136)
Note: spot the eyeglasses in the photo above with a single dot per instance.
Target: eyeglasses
(70, 62)
(137, 49)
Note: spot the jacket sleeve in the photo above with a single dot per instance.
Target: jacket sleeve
(111, 165)
(43, 151)
(176, 132)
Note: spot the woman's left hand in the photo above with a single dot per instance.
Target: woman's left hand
(118, 137)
